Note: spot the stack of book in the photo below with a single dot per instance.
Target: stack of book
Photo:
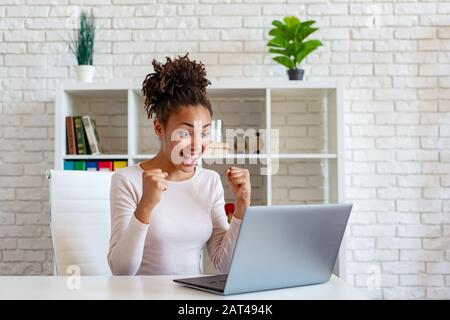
(82, 136)
(82, 139)
(94, 165)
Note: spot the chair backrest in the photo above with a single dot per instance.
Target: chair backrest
(80, 220)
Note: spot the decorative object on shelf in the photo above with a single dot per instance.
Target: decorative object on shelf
(217, 147)
(248, 143)
(83, 48)
(216, 130)
(240, 143)
(289, 43)
(254, 143)
(260, 145)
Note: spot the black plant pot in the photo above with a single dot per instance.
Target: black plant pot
(295, 74)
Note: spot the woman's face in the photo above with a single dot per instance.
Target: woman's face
(185, 136)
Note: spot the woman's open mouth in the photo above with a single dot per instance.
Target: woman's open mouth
(189, 159)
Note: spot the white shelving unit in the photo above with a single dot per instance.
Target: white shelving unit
(308, 115)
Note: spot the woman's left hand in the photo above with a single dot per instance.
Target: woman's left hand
(239, 183)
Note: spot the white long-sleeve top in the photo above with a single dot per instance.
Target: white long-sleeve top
(189, 215)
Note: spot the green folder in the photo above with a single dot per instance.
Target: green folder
(80, 165)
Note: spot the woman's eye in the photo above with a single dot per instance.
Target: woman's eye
(184, 134)
(205, 134)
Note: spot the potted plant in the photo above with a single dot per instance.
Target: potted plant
(83, 47)
(289, 43)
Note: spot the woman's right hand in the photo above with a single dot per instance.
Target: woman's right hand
(153, 185)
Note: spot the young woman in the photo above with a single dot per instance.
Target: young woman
(164, 210)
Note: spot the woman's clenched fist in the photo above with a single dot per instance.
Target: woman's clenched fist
(154, 183)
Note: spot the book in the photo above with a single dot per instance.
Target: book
(105, 166)
(80, 135)
(120, 164)
(70, 137)
(80, 165)
(91, 165)
(92, 136)
(69, 165)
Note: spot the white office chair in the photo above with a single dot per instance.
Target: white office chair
(81, 222)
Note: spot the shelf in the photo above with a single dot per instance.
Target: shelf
(238, 156)
(207, 158)
(305, 156)
(122, 84)
(98, 94)
(242, 93)
(84, 87)
(255, 156)
(95, 157)
(289, 93)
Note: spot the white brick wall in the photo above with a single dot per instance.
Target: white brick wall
(392, 57)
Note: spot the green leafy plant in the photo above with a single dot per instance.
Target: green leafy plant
(289, 41)
(83, 42)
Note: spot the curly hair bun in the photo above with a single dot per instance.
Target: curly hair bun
(176, 82)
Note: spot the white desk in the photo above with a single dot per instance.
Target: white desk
(153, 288)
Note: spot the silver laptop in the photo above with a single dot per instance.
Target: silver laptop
(280, 247)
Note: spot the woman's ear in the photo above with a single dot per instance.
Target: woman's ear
(157, 127)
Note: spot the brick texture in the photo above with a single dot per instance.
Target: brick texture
(392, 58)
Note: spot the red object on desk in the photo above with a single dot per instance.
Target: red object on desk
(229, 210)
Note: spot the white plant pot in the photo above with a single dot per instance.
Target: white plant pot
(85, 73)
